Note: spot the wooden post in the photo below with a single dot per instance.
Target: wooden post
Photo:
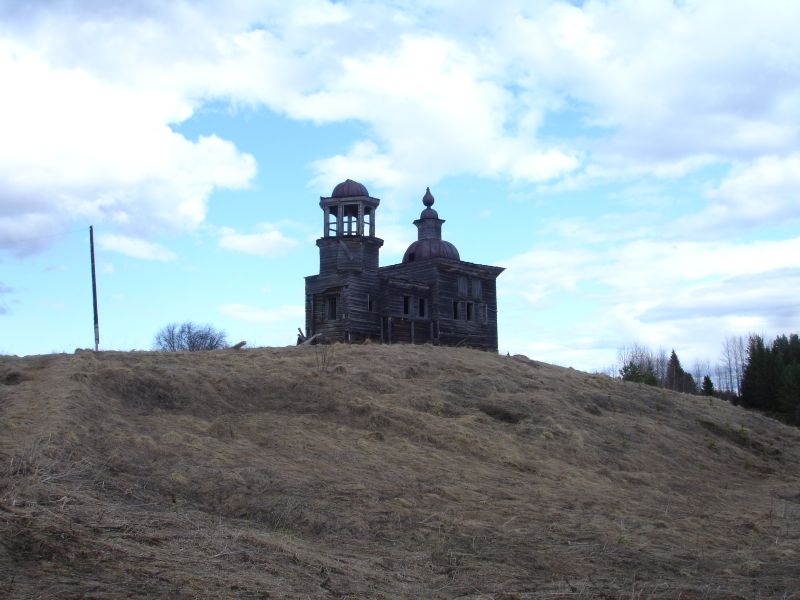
(94, 291)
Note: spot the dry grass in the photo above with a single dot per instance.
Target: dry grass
(383, 472)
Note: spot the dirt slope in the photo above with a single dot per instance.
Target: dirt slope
(383, 472)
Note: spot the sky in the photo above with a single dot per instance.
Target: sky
(634, 165)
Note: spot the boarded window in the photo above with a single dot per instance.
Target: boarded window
(462, 285)
(370, 303)
(406, 305)
(455, 309)
(483, 313)
(477, 289)
(330, 308)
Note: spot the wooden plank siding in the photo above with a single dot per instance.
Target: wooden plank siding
(441, 282)
(410, 302)
(473, 323)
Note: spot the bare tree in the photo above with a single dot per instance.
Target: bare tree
(700, 369)
(732, 363)
(189, 337)
(638, 362)
(740, 354)
(660, 362)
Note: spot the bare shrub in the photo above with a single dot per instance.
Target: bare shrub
(189, 337)
(323, 355)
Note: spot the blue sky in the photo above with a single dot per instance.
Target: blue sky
(634, 165)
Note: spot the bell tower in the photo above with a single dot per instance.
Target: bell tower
(342, 301)
(348, 242)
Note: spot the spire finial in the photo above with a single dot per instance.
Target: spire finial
(427, 199)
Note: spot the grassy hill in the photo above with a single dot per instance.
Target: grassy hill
(383, 472)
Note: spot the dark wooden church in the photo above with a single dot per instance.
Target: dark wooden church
(432, 296)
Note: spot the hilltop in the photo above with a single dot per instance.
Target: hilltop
(372, 471)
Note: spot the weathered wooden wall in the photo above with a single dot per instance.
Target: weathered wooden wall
(370, 300)
(437, 280)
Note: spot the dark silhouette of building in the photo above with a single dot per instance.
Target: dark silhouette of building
(432, 296)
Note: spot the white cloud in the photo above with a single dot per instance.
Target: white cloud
(544, 166)
(683, 294)
(396, 239)
(135, 248)
(267, 316)
(363, 158)
(763, 192)
(635, 70)
(545, 270)
(268, 242)
(79, 147)
(442, 91)
(436, 109)
(772, 292)
(25, 233)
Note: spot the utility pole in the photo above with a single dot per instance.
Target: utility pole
(94, 291)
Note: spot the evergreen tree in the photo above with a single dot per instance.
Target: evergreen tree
(771, 379)
(634, 372)
(708, 386)
(674, 372)
(677, 379)
(760, 379)
(789, 392)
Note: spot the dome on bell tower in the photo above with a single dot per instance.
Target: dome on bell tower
(429, 242)
(349, 189)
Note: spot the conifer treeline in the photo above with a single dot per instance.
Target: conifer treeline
(771, 380)
(754, 374)
(642, 365)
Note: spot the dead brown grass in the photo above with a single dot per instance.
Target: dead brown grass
(382, 472)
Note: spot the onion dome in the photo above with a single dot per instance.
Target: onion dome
(429, 242)
(422, 249)
(349, 189)
(427, 200)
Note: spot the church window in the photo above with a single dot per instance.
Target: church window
(330, 312)
(477, 289)
(460, 310)
(462, 285)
